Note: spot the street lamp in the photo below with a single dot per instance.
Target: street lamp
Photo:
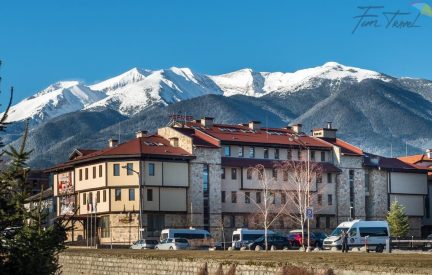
(141, 230)
(303, 145)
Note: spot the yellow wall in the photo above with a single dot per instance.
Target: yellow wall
(91, 182)
(124, 203)
(101, 206)
(123, 179)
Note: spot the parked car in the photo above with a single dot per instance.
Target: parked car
(173, 244)
(295, 237)
(280, 242)
(319, 237)
(144, 244)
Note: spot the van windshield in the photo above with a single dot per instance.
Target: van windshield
(236, 237)
(251, 237)
(338, 231)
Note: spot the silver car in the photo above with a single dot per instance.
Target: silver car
(144, 244)
(173, 244)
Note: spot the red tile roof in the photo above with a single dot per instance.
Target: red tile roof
(241, 134)
(346, 148)
(415, 158)
(153, 146)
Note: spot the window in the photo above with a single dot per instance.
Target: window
(328, 222)
(232, 221)
(247, 197)
(330, 199)
(100, 171)
(104, 196)
(131, 194)
(129, 169)
(319, 199)
(323, 158)
(352, 194)
(223, 174)
(94, 172)
(299, 157)
(251, 152)
(329, 178)
(283, 198)
(105, 226)
(285, 175)
(249, 173)
(90, 198)
(258, 197)
(240, 152)
(116, 169)
(151, 169)
(373, 231)
(149, 194)
(289, 154)
(118, 194)
(266, 153)
(86, 174)
(233, 173)
(312, 156)
(274, 173)
(80, 174)
(222, 196)
(234, 197)
(317, 222)
(98, 196)
(427, 207)
(227, 151)
(276, 153)
(260, 174)
(84, 201)
(318, 178)
(273, 196)
(206, 196)
(367, 181)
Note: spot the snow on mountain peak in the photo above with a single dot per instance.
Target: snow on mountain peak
(131, 76)
(136, 89)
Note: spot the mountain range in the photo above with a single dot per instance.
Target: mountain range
(380, 113)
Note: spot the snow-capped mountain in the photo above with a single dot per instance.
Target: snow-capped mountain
(137, 89)
(57, 99)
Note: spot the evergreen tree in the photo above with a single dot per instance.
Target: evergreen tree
(26, 247)
(398, 220)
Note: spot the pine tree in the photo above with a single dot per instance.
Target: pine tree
(26, 247)
(398, 220)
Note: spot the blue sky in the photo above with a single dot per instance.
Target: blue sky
(42, 42)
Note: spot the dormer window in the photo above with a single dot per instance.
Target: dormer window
(174, 142)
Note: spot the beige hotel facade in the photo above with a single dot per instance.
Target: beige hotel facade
(195, 174)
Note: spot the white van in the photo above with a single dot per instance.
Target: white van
(190, 234)
(243, 236)
(375, 233)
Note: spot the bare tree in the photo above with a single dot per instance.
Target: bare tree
(267, 209)
(302, 190)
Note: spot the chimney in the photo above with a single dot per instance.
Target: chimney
(140, 134)
(297, 128)
(328, 132)
(429, 153)
(254, 125)
(207, 122)
(112, 142)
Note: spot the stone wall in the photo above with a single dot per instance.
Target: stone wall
(93, 264)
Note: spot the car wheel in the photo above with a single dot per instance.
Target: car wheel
(379, 248)
(171, 248)
(156, 248)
